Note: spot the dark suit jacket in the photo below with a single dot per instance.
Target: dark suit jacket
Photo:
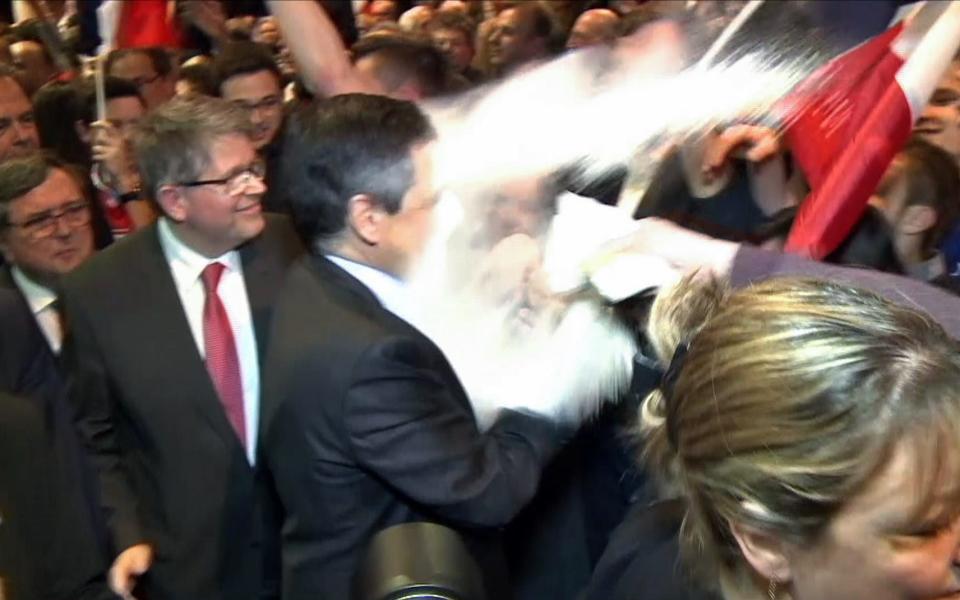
(642, 561)
(172, 471)
(365, 425)
(27, 365)
(43, 552)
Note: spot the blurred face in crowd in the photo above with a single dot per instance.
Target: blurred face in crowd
(513, 41)
(454, 45)
(597, 26)
(940, 122)
(124, 113)
(260, 96)
(138, 68)
(18, 133)
(49, 233)
(32, 61)
(454, 7)
(517, 207)
(416, 19)
(216, 217)
(876, 547)
(381, 11)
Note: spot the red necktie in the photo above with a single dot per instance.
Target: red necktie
(223, 364)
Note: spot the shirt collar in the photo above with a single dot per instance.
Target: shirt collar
(390, 291)
(185, 262)
(38, 297)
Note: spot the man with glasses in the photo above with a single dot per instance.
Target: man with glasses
(150, 69)
(167, 332)
(248, 77)
(45, 233)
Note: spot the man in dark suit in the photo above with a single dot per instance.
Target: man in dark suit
(43, 552)
(167, 330)
(45, 233)
(365, 424)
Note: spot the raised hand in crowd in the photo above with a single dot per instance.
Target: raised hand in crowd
(128, 567)
(115, 156)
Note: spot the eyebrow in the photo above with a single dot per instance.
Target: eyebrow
(65, 205)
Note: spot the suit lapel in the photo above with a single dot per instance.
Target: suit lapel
(260, 279)
(168, 334)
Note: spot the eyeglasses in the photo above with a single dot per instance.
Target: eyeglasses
(235, 183)
(43, 225)
(268, 103)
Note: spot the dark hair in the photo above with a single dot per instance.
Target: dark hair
(869, 245)
(337, 148)
(406, 57)
(201, 76)
(55, 112)
(29, 31)
(18, 176)
(932, 179)
(159, 58)
(243, 58)
(453, 21)
(541, 25)
(113, 87)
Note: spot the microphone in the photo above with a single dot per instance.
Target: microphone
(417, 561)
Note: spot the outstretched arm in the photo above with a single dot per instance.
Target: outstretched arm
(318, 50)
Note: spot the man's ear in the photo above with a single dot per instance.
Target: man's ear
(365, 217)
(765, 553)
(172, 202)
(917, 219)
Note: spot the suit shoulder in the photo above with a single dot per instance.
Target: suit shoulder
(280, 235)
(114, 265)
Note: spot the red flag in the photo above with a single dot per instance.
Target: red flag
(147, 23)
(857, 112)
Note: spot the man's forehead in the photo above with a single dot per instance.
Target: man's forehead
(248, 85)
(12, 97)
(58, 187)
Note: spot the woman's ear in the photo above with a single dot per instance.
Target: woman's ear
(765, 553)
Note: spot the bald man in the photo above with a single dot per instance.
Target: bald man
(593, 27)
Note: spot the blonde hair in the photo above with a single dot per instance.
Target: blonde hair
(790, 397)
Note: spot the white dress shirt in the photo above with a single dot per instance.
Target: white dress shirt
(390, 291)
(186, 265)
(42, 302)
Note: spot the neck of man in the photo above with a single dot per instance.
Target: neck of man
(198, 243)
(363, 253)
(47, 280)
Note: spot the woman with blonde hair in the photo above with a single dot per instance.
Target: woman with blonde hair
(809, 433)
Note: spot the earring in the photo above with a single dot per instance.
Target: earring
(772, 590)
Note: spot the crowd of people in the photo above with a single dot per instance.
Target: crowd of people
(212, 388)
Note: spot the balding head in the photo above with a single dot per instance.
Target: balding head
(595, 26)
(522, 34)
(416, 19)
